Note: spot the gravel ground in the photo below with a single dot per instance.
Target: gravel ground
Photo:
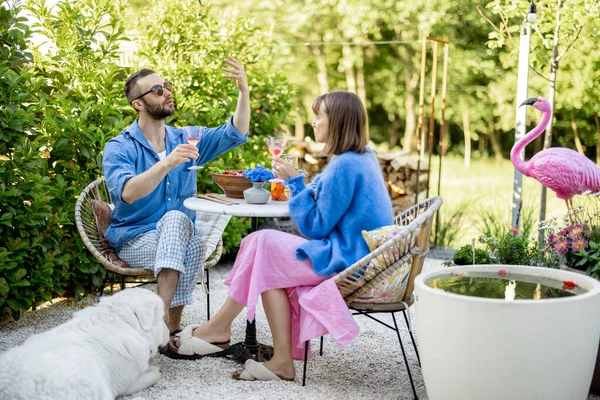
(369, 367)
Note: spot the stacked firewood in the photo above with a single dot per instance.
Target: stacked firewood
(403, 174)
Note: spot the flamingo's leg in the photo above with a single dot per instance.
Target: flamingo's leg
(569, 203)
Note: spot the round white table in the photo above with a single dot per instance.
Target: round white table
(249, 348)
(241, 209)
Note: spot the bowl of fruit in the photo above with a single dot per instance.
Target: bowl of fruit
(232, 182)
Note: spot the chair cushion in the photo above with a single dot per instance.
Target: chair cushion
(389, 286)
(210, 228)
(102, 213)
(378, 236)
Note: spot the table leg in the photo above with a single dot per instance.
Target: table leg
(250, 348)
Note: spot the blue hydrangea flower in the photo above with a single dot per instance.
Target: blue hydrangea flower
(258, 174)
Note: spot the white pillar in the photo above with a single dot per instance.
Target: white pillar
(521, 116)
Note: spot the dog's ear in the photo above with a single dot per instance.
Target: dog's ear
(145, 317)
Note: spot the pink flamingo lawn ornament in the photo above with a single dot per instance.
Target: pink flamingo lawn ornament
(563, 170)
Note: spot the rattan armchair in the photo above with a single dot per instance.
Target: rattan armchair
(88, 229)
(405, 251)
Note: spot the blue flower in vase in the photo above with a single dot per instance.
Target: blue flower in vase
(258, 174)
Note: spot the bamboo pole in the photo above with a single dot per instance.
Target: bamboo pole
(442, 136)
(432, 112)
(420, 120)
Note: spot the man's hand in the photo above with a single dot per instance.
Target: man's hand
(236, 72)
(181, 153)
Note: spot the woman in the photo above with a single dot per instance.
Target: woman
(292, 273)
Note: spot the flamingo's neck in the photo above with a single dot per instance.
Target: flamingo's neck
(515, 153)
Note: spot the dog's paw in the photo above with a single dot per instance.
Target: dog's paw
(147, 379)
(152, 375)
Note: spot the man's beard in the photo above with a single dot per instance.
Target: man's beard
(159, 111)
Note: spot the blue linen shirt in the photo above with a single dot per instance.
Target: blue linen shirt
(130, 154)
(349, 196)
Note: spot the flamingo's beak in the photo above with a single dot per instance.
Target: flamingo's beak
(529, 102)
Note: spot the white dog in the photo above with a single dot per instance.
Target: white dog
(101, 353)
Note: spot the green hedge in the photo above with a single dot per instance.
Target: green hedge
(59, 107)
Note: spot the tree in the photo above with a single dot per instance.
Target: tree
(559, 26)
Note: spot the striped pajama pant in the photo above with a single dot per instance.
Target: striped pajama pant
(172, 245)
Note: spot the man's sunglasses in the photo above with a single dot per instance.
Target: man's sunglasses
(158, 89)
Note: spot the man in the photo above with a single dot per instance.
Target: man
(146, 170)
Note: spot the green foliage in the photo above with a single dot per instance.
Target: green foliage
(83, 108)
(509, 249)
(573, 239)
(495, 219)
(464, 256)
(30, 254)
(590, 258)
(452, 223)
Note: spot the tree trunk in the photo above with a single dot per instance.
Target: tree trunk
(551, 100)
(496, 146)
(467, 132)
(445, 141)
(298, 127)
(597, 120)
(394, 131)
(576, 136)
(411, 122)
(348, 65)
(322, 78)
(482, 144)
(411, 80)
(361, 88)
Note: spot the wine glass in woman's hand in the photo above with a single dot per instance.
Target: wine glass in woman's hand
(276, 145)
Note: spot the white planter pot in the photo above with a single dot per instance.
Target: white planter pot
(492, 349)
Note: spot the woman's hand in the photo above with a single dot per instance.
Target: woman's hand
(283, 169)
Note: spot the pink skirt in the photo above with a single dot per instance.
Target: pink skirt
(267, 260)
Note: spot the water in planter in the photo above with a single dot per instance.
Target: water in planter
(508, 287)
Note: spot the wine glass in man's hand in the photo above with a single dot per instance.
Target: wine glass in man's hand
(193, 135)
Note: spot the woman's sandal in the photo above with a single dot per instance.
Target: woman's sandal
(255, 371)
(193, 348)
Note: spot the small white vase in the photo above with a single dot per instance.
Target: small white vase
(257, 194)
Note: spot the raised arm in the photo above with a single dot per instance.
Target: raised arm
(241, 118)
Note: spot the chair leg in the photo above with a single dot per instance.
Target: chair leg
(321, 347)
(305, 362)
(412, 338)
(123, 282)
(103, 284)
(207, 296)
(412, 384)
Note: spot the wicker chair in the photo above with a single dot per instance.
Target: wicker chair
(87, 227)
(406, 251)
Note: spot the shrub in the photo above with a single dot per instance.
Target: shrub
(83, 108)
(464, 256)
(31, 258)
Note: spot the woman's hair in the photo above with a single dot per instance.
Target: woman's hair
(347, 122)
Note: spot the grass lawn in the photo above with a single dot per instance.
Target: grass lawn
(483, 193)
